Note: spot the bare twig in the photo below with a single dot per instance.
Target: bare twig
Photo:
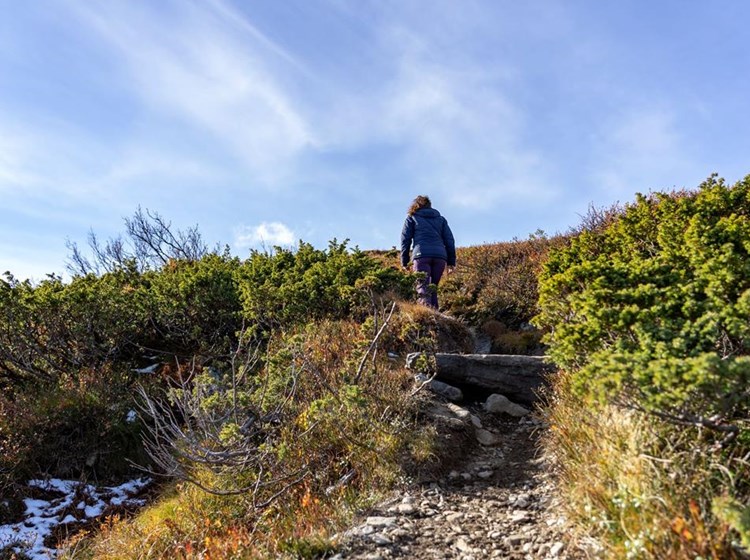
(373, 343)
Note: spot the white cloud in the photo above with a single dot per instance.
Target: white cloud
(460, 125)
(212, 69)
(266, 234)
(44, 156)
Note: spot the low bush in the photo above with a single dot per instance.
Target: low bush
(80, 428)
(343, 431)
(648, 313)
(497, 281)
(284, 288)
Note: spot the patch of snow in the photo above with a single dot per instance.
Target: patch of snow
(41, 517)
(94, 511)
(148, 369)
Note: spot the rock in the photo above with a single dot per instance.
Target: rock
(462, 545)
(497, 404)
(515, 540)
(459, 411)
(485, 474)
(448, 391)
(405, 509)
(522, 501)
(476, 421)
(519, 377)
(450, 414)
(556, 549)
(377, 521)
(380, 539)
(485, 437)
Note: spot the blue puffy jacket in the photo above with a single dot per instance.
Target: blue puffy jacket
(431, 236)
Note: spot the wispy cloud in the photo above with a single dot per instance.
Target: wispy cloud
(459, 121)
(455, 128)
(641, 144)
(208, 67)
(265, 234)
(43, 158)
(14, 154)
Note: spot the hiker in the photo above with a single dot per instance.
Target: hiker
(434, 247)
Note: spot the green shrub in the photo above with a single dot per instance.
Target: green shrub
(649, 314)
(656, 305)
(291, 287)
(194, 306)
(53, 328)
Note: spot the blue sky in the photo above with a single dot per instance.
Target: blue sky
(272, 121)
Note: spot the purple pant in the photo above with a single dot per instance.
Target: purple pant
(433, 269)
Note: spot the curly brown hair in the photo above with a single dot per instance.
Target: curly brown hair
(421, 201)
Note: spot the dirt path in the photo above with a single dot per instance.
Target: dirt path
(499, 503)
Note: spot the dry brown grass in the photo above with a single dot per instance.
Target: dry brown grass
(497, 281)
(415, 327)
(354, 439)
(632, 487)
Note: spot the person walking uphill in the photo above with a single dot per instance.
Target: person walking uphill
(434, 247)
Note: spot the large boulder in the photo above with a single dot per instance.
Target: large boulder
(520, 378)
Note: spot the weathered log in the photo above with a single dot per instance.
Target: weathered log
(517, 377)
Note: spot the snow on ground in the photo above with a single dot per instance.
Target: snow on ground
(70, 503)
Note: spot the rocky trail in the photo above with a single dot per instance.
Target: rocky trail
(499, 502)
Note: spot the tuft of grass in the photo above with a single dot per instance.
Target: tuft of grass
(415, 327)
(634, 487)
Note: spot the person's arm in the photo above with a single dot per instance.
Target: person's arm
(407, 235)
(450, 244)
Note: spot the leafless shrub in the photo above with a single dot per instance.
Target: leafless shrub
(597, 218)
(151, 242)
(226, 425)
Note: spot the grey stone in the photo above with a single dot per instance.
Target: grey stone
(485, 437)
(444, 390)
(519, 516)
(380, 539)
(455, 516)
(497, 404)
(405, 509)
(515, 540)
(519, 377)
(377, 521)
